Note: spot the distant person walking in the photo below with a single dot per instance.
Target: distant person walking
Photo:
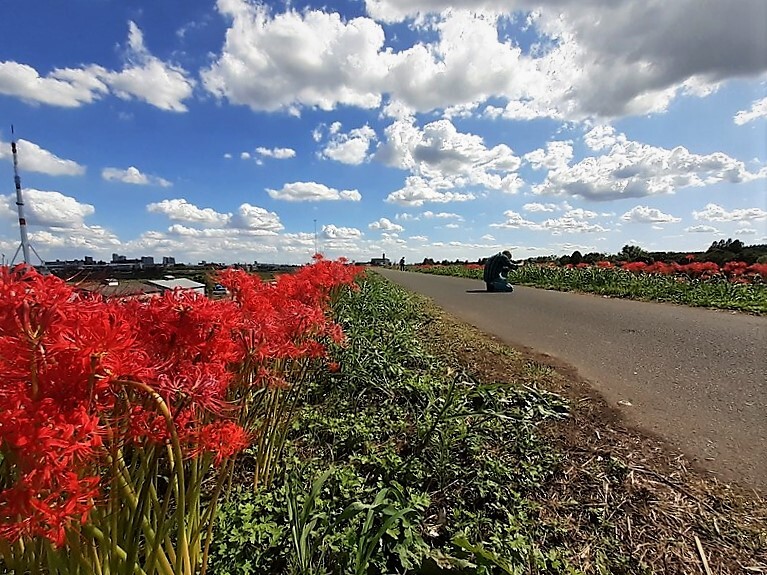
(496, 269)
(402, 264)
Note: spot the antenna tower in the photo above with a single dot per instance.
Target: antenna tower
(25, 247)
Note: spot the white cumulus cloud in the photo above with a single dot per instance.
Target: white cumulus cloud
(351, 148)
(144, 77)
(181, 210)
(276, 153)
(514, 220)
(569, 224)
(701, 230)
(312, 192)
(635, 170)
(596, 58)
(133, 175)
(556, 157)
(295, 59)
(64, 87)
(335, 232)
(442, 155)
(758, 110)
(588, 59)
(575, 220)
(442, 215)
(716, 213)
(147, 78)
(256, 218)
(538, 207)
(33, 158)
(648, 215)
(384, 224)
(418, 191)
(47, 209)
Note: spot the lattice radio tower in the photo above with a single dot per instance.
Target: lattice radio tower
(25, 247)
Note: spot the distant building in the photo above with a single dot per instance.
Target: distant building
(124, 263)
(382, 261)
(119, 266)
(113, 288)
(180, 283)
(60, 265)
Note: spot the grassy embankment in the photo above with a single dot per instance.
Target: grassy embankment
(434, 450)
(713, 292)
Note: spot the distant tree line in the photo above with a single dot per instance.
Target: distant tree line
(720, 252)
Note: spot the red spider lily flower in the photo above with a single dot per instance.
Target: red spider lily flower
(634, 267)
(48, 446)
(334, 367)
(223, 439)
(77, 370)
(758, 269)
(661, 268)
(604, 264)
(336, 334)
(734, 269)
(740, 280)
(270, 379)
(285, 319)
(32, 303)
(147, 426)
(700, 269)
(39, 506)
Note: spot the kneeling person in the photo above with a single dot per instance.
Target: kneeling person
(496, 269)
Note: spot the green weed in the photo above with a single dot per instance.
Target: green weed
(397, 464)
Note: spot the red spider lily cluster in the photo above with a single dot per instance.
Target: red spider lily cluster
(703, 270)
(734, 271)
(82, 374)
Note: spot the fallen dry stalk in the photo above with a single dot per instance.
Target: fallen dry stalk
(702, 555)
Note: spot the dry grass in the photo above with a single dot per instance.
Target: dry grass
(618, 491)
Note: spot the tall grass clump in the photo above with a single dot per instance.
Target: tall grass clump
(716, 292)
(397, 464)
(696, 284)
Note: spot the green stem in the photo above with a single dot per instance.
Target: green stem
(97, 534)
(183, 564)
(210, 514)
(129, 493)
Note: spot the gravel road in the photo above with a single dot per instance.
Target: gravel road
(696, 377)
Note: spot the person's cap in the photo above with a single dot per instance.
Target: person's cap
(507, 253)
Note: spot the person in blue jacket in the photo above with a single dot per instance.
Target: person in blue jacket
(496, 269)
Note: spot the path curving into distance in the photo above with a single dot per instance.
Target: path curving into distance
(694, 376)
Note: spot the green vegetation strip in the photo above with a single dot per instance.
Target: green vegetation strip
(714, 292)
(397, 463)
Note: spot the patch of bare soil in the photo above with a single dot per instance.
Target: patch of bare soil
(615, 483)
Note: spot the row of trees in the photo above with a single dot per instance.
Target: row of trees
(720, 252)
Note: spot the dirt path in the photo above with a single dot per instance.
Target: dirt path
(696, 377)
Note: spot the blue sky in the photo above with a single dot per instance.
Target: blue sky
(231, 130)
